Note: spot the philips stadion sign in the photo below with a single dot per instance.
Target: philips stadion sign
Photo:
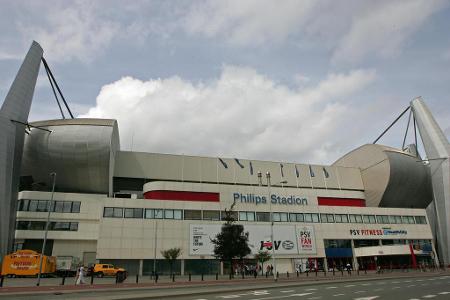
(274, 199)
(288, 239)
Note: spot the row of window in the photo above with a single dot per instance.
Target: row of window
(417, 244)
(251, 216)
(43, 206)
(53, 226)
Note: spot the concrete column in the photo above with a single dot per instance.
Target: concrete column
(325, 264)
(141, 266)
(221, 268)
(354, 259)
(182, 267)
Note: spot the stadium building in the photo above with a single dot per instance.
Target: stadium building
(375, 206)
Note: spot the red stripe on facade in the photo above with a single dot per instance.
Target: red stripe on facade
(182, 196)
(332, 201)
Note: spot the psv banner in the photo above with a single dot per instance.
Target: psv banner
(306, 240)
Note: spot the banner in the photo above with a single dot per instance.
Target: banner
(286, 239)
(306, 240)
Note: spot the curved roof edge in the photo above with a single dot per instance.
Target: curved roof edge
(77, 121)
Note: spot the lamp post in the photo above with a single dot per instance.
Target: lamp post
(271, 226)
(49, 206)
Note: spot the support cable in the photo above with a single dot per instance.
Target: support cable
(54, 93)
(407, 127)
(392, 124)
(57, 87)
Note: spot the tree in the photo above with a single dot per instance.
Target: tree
(261, 257)
(232, 241)
(171, 255)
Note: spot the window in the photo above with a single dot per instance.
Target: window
(369, 219)
(311, 218)
(42, 206)
(337, 243)
(149, 213)
(192, 214)
(420, 220)
(280, 217)
(159, 213)
(366, 243)
(23, 205)
(408, 219)
(211, 215)
(133, 213)
(168, 214)
(327, 218)
(53, 226)
(67, 207)
(382, 219)
(246, 216)
(58, 207)
(33, 205)
(177, 214)
(341, 218)
(355, 218)
(296, 217)
(113, 212)
(233, 214)
(262, 216)
(76, 206)
(398, 219)
(392, 220)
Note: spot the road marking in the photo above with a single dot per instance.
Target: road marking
(359, 292)
(411, 285)
(337, 295)
(377, 290)
(396, 287)
(311, 290)
(230, 296)
(349, 285)
(367, 298)
(280, 297)
(419, 280)
(424, 284)
(331, 287)
(366, 284)
(444, 293)
(312, 298)
(201, 299)
(429, 296)
(288, 291)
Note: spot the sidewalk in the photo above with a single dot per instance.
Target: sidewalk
(165, 287)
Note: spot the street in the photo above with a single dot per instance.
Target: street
(400, 289)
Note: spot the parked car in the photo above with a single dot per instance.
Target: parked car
(101, 270)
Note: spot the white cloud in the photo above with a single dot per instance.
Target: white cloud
(242, 113)
(383, 30)
(67, 31)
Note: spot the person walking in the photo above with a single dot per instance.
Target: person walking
(80, 275)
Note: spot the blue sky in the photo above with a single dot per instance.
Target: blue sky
(303, 81)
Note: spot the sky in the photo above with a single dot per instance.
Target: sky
(296, 81)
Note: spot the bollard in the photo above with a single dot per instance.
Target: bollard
(137, 278)
(63, 279)
(217, 276)
(278, 274)
(297, 274)
(357, 272)
(190, 276)
(316, 272)
(365, 271)
(2, 278)
(242, 274)
(287, 274)
(267, 274)
(307, 273)
(255, 274)
(324, 273)
(173, 277)
(334, 272)
(342, 272)
(202, 276)
(230, 276)
(92, 278)
(156, 277)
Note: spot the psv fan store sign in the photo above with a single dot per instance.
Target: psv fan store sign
(306, 240)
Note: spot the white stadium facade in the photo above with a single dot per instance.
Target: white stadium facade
(375, 206)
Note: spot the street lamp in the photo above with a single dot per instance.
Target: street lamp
(271, 225)
(49, 205)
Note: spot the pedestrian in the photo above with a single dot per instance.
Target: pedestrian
(267, 270)
(349, 268)
(80, 275)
